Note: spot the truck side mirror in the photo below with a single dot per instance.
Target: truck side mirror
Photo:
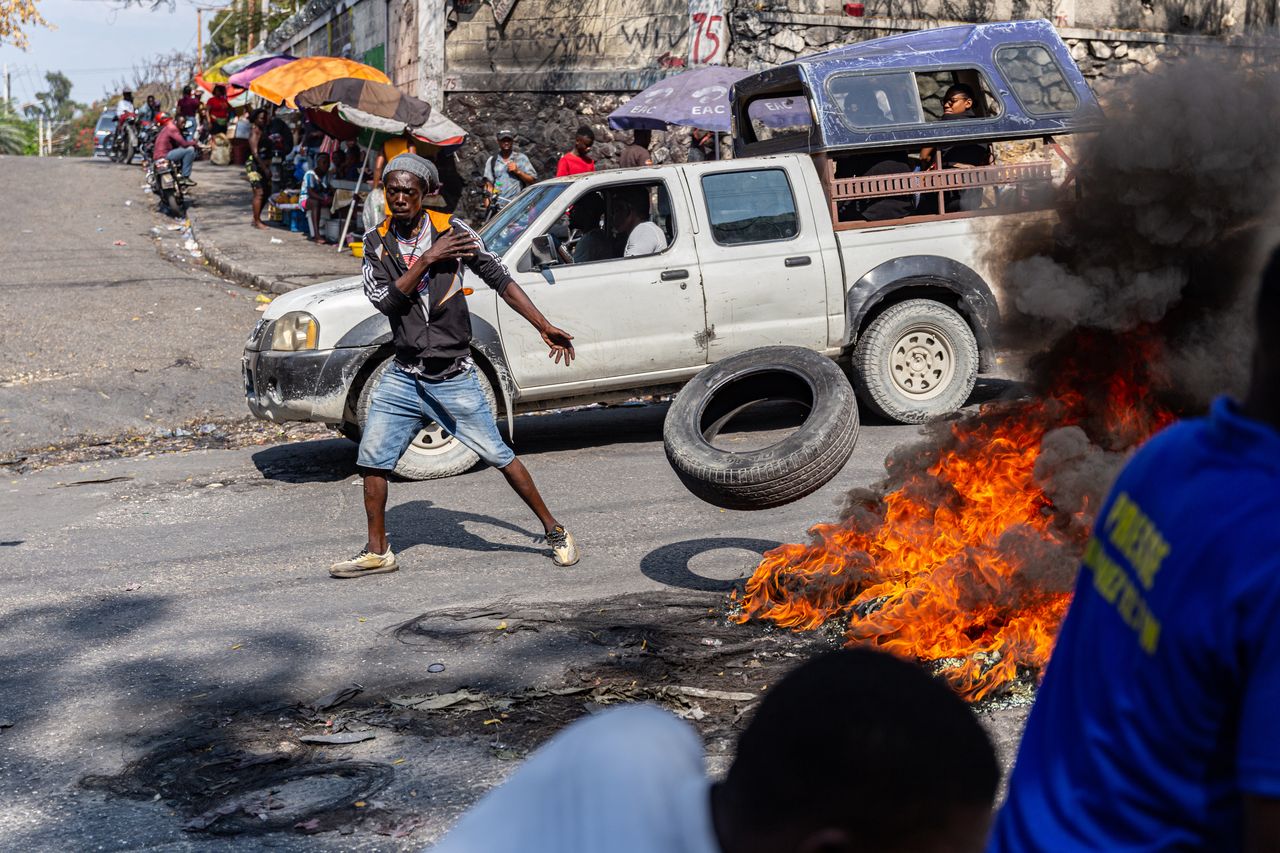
(544, 251)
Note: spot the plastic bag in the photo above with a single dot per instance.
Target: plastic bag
(375, 210)
(221, 153)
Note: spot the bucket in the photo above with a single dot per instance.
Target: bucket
(239, 151)
(357, 249)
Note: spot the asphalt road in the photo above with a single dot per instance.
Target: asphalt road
(145, 598)
(100, 333)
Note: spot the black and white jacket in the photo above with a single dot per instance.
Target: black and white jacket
(430, 328)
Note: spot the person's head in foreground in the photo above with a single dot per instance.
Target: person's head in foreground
(219, 91)
(583, 141)
(854, 751)
(858, 750)
(642, 137)
(407, 180)
(1263, 400)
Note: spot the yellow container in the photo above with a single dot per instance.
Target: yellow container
(357, 249)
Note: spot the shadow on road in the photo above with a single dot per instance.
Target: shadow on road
(670, 564)
(423, 523)
(324, 461)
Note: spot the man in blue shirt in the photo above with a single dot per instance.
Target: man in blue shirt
(1156, 727)
(507, 172)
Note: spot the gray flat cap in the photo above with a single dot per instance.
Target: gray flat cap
(414, 165)
(506, 133)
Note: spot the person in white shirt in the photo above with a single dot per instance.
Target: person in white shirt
(631, 220)
(855, 750)
(126, 103)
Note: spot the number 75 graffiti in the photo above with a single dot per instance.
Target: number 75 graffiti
(706, 36)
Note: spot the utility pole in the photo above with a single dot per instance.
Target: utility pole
(199, 41)
(266, 13)
(8, 90)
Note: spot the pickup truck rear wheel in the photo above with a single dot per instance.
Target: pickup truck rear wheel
(915, 362)
(783, 472)
(433, 453)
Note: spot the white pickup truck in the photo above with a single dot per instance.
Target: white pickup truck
(779, 249)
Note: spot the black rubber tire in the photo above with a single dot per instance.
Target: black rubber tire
(941, 329)
(772, 476)
(421, 461)
(171, 203)
(130, 148)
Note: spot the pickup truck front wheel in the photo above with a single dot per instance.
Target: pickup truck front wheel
(915, 362)
(433, 453)
(783, 472)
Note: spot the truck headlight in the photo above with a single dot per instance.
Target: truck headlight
(295, 331)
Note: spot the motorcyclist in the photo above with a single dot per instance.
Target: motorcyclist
(150, 109)
(173, 146)
(126, 104)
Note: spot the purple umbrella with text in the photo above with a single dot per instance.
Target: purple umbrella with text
(697, 98)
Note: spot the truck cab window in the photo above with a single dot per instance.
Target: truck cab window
(614, 221)
(755, 206)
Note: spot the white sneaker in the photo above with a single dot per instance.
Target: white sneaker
(564, 551)
(365, 563)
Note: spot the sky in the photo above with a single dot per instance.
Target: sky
(96, 43)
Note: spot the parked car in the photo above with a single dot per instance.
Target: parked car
(779, 247)
(102, 132)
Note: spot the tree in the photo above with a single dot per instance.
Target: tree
(16, 16)
(16, 136)
(55, 103)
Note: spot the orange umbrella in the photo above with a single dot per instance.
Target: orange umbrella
(280, 85)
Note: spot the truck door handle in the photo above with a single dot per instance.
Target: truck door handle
(674, 275)
(799, 261)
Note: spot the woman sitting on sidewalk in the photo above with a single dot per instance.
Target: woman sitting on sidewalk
(316, 194)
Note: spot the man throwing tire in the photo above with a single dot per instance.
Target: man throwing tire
(414, 268)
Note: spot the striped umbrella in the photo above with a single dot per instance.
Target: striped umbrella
(256, 69)
(343, 108)
(280, 85)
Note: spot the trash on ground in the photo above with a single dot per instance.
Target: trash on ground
(119, 243)
(436, 667)
(276, 240)
(338, 738)
(336, 697)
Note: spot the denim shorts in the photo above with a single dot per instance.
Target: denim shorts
(402, 404)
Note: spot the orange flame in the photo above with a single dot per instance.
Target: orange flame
(924, 569)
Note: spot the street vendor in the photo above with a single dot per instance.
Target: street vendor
(415, 272)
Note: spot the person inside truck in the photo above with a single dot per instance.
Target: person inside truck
(957, 105)
(593, 243)
(631, 222)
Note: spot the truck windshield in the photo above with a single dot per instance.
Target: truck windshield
(503, 230)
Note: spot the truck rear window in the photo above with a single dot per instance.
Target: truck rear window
(1036, 79)
(754, 206)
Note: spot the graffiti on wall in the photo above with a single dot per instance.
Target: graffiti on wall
(579, 35)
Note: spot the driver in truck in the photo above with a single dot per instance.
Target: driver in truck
(415, 265)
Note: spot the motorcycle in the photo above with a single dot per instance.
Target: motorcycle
(163, 180)
(148, 132)
(124, 141)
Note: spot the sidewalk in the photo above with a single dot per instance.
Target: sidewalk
(220, 224)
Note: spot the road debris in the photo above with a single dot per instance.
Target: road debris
(339, 738)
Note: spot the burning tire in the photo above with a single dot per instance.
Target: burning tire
(783, 472)
(916, 361)
(433, 453)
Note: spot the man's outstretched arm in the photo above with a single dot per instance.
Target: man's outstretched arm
(559, 341)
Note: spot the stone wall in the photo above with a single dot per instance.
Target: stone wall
(545, 125)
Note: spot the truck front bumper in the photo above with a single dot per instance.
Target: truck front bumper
(301, 386)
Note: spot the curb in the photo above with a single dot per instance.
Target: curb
(229, 269)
